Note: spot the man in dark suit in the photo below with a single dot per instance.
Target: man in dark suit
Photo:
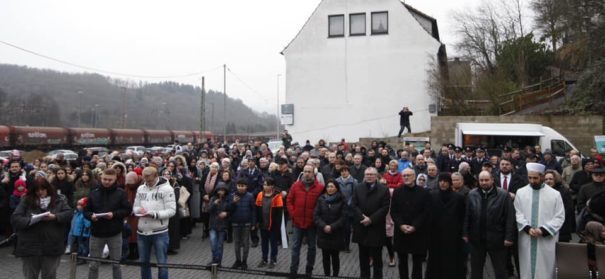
(370, 205)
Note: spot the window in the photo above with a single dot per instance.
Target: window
(558, 147)
(357, 24)
(380, 23)
(336, 26)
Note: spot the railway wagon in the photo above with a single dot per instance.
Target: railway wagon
(123, 137)
(81, 137)
(40, 137)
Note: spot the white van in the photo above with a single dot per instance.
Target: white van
(497, 135)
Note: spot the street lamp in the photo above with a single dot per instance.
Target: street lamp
(277, 112)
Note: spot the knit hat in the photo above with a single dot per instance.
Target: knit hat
(20, 188)
(83, 201)
(138, 171)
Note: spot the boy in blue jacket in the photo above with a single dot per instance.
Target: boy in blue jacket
(81, 229)
(243, 219)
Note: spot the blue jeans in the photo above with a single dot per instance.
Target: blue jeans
(160, 245)
(217, 238)
(82, 246)
(269, 238)
(311, 249)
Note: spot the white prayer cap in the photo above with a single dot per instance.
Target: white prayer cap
(535, 167)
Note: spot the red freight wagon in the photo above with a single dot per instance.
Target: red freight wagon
(158, 137)
(90, 136)
(183, 137)
(128, 137)
(40, 136)
(202, 137)
(5, 132)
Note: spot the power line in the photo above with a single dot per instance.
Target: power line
(247, 86)
(105, 71)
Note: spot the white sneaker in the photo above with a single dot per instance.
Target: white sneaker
(67, 250)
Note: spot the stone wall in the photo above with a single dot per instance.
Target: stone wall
(580, 130)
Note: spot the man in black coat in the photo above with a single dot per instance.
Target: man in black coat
(446, 247)
(404, 120)
(107, 207)
(370, 205)
(489, 226)
(410, 212)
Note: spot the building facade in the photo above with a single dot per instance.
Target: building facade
(355, 64)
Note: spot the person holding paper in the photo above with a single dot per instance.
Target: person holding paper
(41, 242)
(107, 207)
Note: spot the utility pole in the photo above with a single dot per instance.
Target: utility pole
(79, 108)
(125, 106)
(203, 109)
(225, 103)
(277, 112)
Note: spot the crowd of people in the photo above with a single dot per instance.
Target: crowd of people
(443, 207)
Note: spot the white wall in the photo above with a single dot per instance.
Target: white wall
(351, 87)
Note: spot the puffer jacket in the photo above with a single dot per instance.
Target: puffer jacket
(301, 203)
(499, 218)
(45, 238)
(214, 209)
(160, 201)
(80, 226)
(275, 214)
(243, 211)
(101, 200)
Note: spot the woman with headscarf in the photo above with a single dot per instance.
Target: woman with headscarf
(421, 180)
(41, 240)
(446, 255)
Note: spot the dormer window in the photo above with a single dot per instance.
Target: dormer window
(336, 26)
(380, 23)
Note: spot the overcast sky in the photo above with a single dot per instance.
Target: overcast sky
(175, 38)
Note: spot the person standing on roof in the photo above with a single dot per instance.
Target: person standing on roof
(404, 120)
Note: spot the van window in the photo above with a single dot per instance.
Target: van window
(558, 147)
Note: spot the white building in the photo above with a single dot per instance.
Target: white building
(355, 64)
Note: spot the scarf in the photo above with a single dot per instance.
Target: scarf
(44, 202)
(210, 182)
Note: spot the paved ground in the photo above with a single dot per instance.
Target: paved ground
(197, 252)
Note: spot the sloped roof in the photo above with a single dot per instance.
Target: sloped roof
(435, 31)
(416, 13)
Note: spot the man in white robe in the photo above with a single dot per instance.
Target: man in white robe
(540, 214)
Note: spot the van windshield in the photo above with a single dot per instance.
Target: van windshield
(496, 143)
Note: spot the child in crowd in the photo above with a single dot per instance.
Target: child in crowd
(270, 207)
(80, 229)
(218, 222)
(19, 191)
(243, 219)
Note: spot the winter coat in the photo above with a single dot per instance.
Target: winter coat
(373, 203)
(346, 188)
(330, 211)
(499, 212)
(255, 180)
(160, 201)
(80, 225)
(65, 188)
(301, 203)
(275, 213)
(410, 206)
(243, 211)
(283, 181)
(393, 180)
(569, 226)
(101, 200)
(216, 223)
(446, 247)
(45, 238)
